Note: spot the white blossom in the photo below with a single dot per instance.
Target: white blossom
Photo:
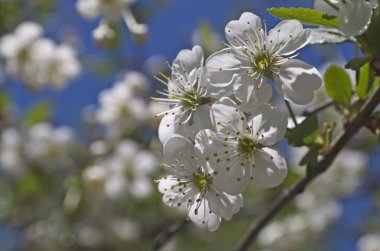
(129, 169)
(188, 95)
(63, 66)
(125, 171)
(95, 177)
(121, 110)
(48, 146)
(242, 149)
(354, 15)
(11, 151)
(369, 242)
(257, 56)
(191, 183)
(18, 49)
(111, 10)
(38, 61)
(103, 34)
(137, 82)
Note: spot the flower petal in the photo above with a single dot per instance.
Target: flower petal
(268, 124)
(224, 205)
(270, 170)
(168, 128)
(200, 214)
(188, 60)
(246, 31)
(233, 178)
(208, 145)
(354, 17)
(222, 70)
(297, 81)
(171, 124)
(287, 37)
(179, 148)
(227, 118)
(249, 93)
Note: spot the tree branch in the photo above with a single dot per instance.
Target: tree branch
(289, 194)
(166, 236)
(318, 108)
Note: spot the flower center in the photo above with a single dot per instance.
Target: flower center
(262, 62)
(191, 99)
(246, 145)
(201, 181)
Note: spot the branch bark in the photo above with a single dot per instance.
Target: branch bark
(166, 236)
(289, 194)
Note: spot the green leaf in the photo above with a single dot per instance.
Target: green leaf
(364, 84)
(327, 36)
(306, 16)
(39, 113)
(305, 133)
(375, 84)
(310, 160)
(356, 63)
(338, 85)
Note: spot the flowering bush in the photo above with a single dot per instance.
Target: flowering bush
(242, 130)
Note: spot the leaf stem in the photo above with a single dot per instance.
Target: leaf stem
(318, 108)
(291, 112)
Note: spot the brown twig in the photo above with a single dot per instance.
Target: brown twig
(166, 236)
(321, 166)
(318, 108)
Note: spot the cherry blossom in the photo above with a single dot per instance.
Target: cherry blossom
(257, 56)
(241, 149)
(188, 95)
(191, 183)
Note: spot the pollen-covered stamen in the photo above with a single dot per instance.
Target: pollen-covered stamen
(183, 95)
(262, 62)
(246, 145)
(202, 181)
(192, 99)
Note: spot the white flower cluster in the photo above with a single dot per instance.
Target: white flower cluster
(125, 171)
(219, 134)
(122, 108)
(36, 60)
(112, 11)
(354, 15)
(42, 146)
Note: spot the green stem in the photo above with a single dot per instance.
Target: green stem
(291, 113)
